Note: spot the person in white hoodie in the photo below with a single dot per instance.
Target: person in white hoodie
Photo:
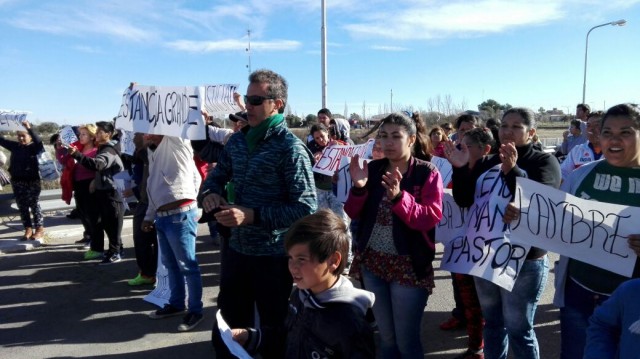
(326, 312)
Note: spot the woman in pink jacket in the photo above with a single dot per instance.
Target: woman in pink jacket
(398, 201)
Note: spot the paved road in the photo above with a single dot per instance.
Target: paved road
(55, 305)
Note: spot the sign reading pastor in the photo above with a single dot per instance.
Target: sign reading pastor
(486, 249)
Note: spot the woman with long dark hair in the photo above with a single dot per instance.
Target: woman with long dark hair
(398, 200)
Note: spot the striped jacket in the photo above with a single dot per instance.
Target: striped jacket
(275, 180)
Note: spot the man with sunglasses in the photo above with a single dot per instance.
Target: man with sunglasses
(269, 185)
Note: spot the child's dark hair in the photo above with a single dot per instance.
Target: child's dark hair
(481, 136)
(324, 232)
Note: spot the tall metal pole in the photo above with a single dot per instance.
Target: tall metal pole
(586, 49)
(323, 32)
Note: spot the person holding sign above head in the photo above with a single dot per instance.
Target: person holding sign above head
(172, 189)
(580, 286)
(398, 202)
(508, 314)
(25, 179)
(268, 175)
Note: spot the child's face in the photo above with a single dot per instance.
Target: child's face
(307, 272)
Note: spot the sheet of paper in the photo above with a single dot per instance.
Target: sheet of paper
(235, 348)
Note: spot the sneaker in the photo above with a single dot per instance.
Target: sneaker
(167, 311)
(110, 258)
(91, 254)
(141, 280)
(471, 354)
(452, 324)
(190, 321)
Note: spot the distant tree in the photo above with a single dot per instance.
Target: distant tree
(310, 119)
(490, 106)
(293, 121)
(47, 128)
(541, 110)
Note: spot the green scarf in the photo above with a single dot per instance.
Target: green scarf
(257, 133)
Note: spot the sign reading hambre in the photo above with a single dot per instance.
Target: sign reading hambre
(170, 111)
(589, 231)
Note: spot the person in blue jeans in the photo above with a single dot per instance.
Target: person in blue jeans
(172, 188)
(509, 315)
(398, 202)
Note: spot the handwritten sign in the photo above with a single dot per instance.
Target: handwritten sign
(218, 100)
(67, 135)
(12, 120)
(589, 231)
(487, 250)
(126, 141)
(330, 161)
(344, 178)
(445, 169)
(453, 223)
(162, 292)
(170, 111)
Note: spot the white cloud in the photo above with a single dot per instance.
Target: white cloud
(233, 45)
(389, 48)
(79, 21)
(440, 19)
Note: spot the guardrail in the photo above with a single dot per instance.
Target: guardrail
(50, 200)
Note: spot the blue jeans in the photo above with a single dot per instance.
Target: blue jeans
(579, 305)
(509, 315)
(177, 237)
(398, 311)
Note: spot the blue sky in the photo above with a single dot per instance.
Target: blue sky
(69, 61)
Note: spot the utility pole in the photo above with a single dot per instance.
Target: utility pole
(391, 101)
(323, 32)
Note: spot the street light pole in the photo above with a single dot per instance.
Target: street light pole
(586, 48)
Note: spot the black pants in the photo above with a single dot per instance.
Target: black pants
(245, 280)
(110, 212)
(85, 204)
(145, 243)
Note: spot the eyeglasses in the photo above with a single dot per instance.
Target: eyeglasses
(256, 100)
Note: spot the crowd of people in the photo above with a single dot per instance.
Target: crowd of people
(291, 251)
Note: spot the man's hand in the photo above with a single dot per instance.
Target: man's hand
(634, 243)
(240, 335)
(147, 226)
(212, 201)
(234, 216)
(511, 213)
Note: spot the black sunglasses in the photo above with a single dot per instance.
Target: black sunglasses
(256, 100)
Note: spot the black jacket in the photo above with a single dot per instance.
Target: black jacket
(532, 163)
(24, 158)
